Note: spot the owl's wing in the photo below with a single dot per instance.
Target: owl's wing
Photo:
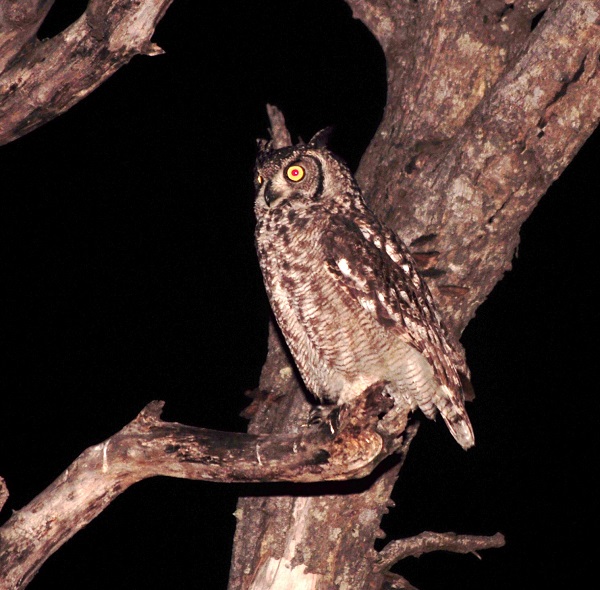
(373, 266)
(376, 269)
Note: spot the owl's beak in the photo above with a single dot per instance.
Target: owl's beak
(268, 196)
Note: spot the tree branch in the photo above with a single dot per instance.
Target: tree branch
(426, 542)
(279, 132)
(19, 23)
(47, 78)
(148, 447)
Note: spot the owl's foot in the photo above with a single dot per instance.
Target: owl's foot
(329, 415)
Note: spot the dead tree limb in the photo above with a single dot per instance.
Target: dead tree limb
(148, 447)
(40, 80)
(426, 542)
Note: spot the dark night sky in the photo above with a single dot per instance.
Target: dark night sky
(129, 274)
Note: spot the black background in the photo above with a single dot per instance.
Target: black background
(129, 274)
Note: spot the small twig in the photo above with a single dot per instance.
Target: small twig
(426, 542)
(279, 133)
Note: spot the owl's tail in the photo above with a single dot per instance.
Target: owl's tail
(455, 416)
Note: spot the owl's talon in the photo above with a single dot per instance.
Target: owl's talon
(329, 415)
(316, 416)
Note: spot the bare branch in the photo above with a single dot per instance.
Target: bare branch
(426, 542)
(280, 135)
(148, 447)
(49, 77)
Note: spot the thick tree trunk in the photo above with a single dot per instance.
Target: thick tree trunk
(487, 104)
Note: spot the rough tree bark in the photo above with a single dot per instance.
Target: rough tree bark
(39, 80)
(487, 104)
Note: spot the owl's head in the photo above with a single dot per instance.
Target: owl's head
(300, 174)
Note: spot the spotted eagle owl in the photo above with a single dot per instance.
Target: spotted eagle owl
(346, 293)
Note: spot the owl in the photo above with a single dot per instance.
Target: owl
(346, 293)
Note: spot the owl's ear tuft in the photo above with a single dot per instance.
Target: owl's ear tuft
(321, 138)
(263, 145)
(264, 149)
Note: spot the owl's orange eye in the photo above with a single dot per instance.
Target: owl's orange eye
(295, 173)
(259, 179)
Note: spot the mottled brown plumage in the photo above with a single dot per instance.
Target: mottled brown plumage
(346, 293)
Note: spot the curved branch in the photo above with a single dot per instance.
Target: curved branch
(426, 542)
(47, 79)
(148, 447)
